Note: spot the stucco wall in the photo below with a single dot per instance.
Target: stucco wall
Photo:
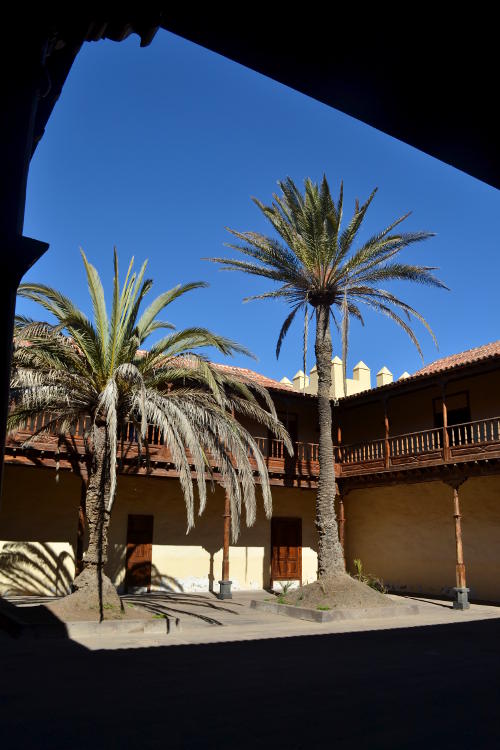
(193, 562)
(43, 515)
(405, 534)
(38, 523)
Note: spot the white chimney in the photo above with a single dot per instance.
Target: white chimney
(361, 374)
(300, 380)
(313, 380)
(384, 376)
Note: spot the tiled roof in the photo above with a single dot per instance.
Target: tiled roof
(469, 357)
(261, 380)
(463, 358)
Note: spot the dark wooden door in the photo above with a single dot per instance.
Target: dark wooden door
(286, 549)
(139, 552)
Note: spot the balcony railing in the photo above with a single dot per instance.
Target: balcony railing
(461, 442)
(470, 440)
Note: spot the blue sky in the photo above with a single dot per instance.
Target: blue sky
(157, 150)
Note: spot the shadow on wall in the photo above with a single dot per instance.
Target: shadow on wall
(35, 568)
(116, 570)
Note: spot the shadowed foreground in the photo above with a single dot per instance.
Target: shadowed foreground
(433, 686)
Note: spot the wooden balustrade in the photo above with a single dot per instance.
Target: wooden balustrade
(470, 439)
(416, 443)
(467, 440)
(362, 452)
(484, 431)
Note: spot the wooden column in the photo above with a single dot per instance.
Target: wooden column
(339, 442)
(341, 521)
(225, 583)
(387, 453)
(80, 535)
(461, 601)
(460, 566)
(227, 532)
(446, 437)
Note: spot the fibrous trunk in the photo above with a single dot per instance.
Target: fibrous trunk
(92, 586)
(330, 554)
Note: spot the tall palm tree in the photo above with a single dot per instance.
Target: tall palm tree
(317, 265)
(76, 369)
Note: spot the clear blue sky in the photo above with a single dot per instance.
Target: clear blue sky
(156, 150)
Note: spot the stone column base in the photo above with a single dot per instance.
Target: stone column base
(225, 590)
(462, 600)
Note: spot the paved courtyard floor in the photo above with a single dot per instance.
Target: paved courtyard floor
(202, 618)
(236, 678)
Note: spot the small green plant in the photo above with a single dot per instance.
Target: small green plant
(323, 608)
(159, 617)
(286, 586)
(281, 599)
(370, 580)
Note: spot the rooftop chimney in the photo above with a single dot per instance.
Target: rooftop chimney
(300, 380)
(384, 376)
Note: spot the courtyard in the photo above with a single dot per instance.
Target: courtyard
(235, 677)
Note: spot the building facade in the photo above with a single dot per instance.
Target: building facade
(418, 474)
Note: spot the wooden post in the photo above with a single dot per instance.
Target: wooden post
(341, 520)
(458, 540)
(225, 583)
(80, 535)
(227, 530)
(461, 590)
(339, 441)
(387, 454)
(446, 437)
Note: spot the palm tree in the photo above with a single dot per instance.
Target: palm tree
(77, 369)
(317, 266)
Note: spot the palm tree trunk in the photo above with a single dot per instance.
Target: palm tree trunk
(330, 555)
(92, 582)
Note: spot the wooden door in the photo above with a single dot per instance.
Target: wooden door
(139, 552)
(286, 549)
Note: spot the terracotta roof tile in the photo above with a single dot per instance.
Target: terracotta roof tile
(262, 380)
(469, 357)
(463, 358)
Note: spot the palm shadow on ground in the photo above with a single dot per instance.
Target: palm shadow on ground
(177, 604)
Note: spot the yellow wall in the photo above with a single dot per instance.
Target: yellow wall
(36, 509)
(38, 521)
(193, 562)
(405, 534)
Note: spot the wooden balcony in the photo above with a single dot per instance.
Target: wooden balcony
(155, 458)
(471, 441)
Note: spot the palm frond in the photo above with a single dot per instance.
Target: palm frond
(75, 370)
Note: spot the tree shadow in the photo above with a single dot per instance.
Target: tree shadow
(174, 604)
(35, 569)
